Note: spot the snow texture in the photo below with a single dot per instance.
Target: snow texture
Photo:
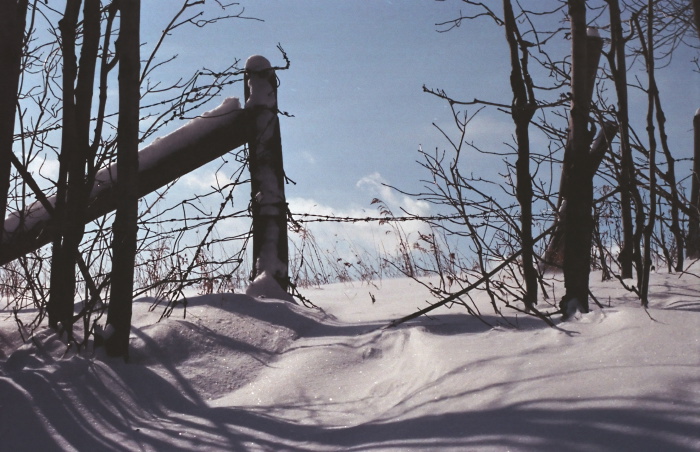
(265, 285)
(162, 147)
(248, 374)
(34, 215)
(261, 93)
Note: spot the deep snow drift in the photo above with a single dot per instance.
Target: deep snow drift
(255, 374)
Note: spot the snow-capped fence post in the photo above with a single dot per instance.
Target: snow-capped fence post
(189, 147)
(268, 203)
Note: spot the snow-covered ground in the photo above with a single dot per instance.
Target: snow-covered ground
(242, 374)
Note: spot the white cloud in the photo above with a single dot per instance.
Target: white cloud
(205, 180)
(376, 185)
(46, 168)
(344, 238)
(308, 157)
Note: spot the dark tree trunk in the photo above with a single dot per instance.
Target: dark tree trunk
(592, 48)
(554, 255)
(618, 65)
(652, 94)
(60, 304)
(670, 178)
(125, 223)
(524, 107)
(693, 240)
(579, 180)
(75, 154)
(13, 15)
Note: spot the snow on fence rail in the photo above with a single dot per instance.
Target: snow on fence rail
(196, 143)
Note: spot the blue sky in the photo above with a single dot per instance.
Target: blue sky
(355, 87)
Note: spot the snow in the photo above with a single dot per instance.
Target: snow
(149, 157)
(265, 285)
(191, 132)
(162, 147)
(259, 374)
(34, 216)
(261, 92)
(592, 32)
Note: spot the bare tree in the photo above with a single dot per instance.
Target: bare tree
(13, 15)
(617, 60)
(75, 151)
(125, 227)
(524, 108)
(64, 64)
(579, 185)
(694, 227)
(652, 95)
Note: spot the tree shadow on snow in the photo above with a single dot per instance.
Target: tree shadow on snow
(87, 404)
(104, 404)
(527, 426)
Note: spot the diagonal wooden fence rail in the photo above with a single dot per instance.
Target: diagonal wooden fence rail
(198, 142)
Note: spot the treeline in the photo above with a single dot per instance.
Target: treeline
(605, 193)
(79, 92)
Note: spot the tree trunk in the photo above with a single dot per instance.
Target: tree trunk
(579, 181)
(522, 111)
(62, 286)
(693, 241)
(652, 94)
(75, 153)
(618, 65)
(13, 15)
(670, 178)
(554, 255)
(125, 223)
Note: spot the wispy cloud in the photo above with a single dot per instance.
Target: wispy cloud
(363, 236)
(375, 185)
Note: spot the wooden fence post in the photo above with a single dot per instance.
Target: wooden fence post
(268, 203)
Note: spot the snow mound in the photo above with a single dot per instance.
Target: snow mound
(223, 342)
(239, 373)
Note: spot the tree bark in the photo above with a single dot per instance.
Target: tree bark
(62, 285)
(554, 255)
(125, 227)
(618, 65)
(13, 15)
(693, 240)
(652, 94)
(75, 153)
(579, 184)
(522, 111)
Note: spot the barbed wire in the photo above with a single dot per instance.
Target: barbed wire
(316, 218)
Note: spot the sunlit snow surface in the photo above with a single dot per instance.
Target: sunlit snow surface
(245, 374)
